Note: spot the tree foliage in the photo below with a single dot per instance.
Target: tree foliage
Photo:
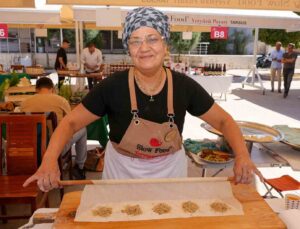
(215, 46)
(180, 45)
(93, 36)
(271, 36)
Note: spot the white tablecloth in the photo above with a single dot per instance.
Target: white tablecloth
(214, 84)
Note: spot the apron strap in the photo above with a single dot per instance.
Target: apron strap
(133, 101)
(170, 94)
(132, 90)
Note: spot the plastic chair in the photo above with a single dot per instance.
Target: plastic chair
(25, 136)
(281, 184)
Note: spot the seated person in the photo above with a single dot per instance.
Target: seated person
(45, 101)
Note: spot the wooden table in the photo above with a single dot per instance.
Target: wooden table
(257, 215)
(82, 75)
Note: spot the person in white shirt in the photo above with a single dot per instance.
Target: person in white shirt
(91, 58)
(276, 66)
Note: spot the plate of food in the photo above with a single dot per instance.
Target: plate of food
(216, 156)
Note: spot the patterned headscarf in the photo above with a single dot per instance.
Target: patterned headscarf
(145, 16)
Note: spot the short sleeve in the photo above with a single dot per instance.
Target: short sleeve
(199, 100)
(66, 106)
(94, 101)
(60, 53)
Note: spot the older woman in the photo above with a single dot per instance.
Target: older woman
(146, 107)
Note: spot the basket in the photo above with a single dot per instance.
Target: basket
(292, 201)
(67, 72)
(34, 70)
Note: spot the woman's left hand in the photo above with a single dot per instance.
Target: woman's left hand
(244, 170)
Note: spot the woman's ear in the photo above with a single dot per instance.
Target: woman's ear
(128, 53)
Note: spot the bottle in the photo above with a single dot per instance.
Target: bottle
(209, 70)
(219, 70)
(224, 69)
(204, 69)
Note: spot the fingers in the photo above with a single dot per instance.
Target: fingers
(243, 173)
(54, 178)
(30, 180)
(45, 182)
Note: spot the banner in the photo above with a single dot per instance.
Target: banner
(3, 31)
(220, 33)
(293, 5)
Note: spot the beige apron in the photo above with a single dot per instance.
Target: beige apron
(146, 139)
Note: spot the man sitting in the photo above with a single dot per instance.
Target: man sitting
(45, 101)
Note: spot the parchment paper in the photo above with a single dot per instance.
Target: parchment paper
(147, 195)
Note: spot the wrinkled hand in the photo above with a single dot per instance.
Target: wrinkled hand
(47, 176)
(244, 169)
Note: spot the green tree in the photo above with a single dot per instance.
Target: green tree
(94, 36)
(179, 45)
(238, 40)
(271, 36)
(215, 46)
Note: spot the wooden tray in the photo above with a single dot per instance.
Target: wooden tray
(251, 129)
(257, 215)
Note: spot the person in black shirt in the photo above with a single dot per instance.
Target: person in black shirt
(146, 108)
(289, 61)
(61, 59)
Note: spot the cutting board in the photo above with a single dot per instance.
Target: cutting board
(257, 215)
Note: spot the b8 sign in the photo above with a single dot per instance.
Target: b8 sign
(219, 33)
(3, 31)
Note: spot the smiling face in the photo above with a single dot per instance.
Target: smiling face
(147, 49)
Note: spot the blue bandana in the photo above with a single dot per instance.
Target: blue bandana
(145, 16)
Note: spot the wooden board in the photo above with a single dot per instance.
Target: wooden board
(257, 215)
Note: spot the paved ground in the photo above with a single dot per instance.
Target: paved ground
(247, 104)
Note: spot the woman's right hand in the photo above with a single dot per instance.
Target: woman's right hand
(47, 176)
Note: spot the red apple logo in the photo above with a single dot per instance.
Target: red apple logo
(154, 142)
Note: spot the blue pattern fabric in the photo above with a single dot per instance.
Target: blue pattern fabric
(145, 16)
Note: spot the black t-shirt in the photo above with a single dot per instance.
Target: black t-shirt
(111, 97)
(61, 52)
(292, 55)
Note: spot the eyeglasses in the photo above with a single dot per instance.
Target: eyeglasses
(150, 40)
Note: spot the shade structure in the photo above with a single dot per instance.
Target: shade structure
(293, 5)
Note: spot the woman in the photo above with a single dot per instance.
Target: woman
(146, 107)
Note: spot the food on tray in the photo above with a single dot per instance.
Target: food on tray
(215, 155)
(7, 106)
(219, 206)
(132, 210)
(161, 208)
(24, 82)
(190, 207)
(102, 211)
(266, 138)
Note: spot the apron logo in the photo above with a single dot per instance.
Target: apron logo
(154, 142)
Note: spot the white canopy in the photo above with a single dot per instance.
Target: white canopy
(178, 16)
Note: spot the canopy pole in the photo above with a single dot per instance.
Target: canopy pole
(77, 43)
(81, 39)
(253, 69)
(80, 81)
